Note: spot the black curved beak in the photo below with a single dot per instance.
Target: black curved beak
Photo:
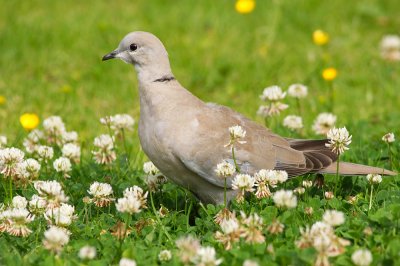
(110, 55)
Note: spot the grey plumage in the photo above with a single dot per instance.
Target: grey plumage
(185, 137)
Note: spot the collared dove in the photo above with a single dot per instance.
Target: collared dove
(185, 137)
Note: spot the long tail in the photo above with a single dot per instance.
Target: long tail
(355, 169)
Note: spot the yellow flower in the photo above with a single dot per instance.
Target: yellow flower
(320, 37)
(29, 121)
(245, 6)
(66, 89)
(329, 74)
(2, 100)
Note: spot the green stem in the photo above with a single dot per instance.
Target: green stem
(188, 215)
(298, 106)
(5, 191)
(125, 145)
(337, 175)
(11, 189)
(127, 222)
(266, 121)
(332, 96)
(370, 198)
(234, 159)
(225, 192)
(390, 156)
(158, 218)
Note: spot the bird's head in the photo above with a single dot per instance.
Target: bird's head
(141, 49)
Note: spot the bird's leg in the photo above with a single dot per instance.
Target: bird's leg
(319, 181)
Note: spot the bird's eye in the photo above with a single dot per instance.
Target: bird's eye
(133, 47)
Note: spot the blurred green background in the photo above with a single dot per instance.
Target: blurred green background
(51, 58)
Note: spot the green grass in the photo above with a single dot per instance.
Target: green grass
(221, 56)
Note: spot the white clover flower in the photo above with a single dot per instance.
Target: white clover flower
(128, 204)
(206, 256)
(374, 178)
(106, 121)
(55, 239)
(236, 133)
(18, 218)
(63, 165)
(299, 190)
(274, 108)
(263, 179)
(45, 153)
(54, 125)
(263, 111)
(30, 168)
(319, 228)
(62, 216)
(276, 227)
(243, 182)
(19, 202)
(388, 138)
(267, 176)
(106, 153)
(153, 181)
(329, 195)
(122, 122)
(298, 91)
(323, 123)
(37, 204)
(293, 122)
(229, 226)
(69, 137)
(272, 93)
(87, 253)
(101, 193)
(52, 192)
(390, 42)
(339, 139)
(250, 263)
(390, 47)
(134, 191)
(309, 210)
(100, 190)
(225, 169)
(188, 247)
(307, 183)
(333, 218)
(3, 141)
(153, 176)
(281, 176)
(127, 262)
(10, 158)
(362, 257)
(150, 169)
(322, 237)
(285, 198)
(32, 140)
(322, 242)
(72, 151)
(165, 255)
(104, 142)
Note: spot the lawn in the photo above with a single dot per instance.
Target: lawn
(51, 66)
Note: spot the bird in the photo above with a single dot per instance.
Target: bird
(185, 137)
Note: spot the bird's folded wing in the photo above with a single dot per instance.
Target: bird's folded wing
(203, 146)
